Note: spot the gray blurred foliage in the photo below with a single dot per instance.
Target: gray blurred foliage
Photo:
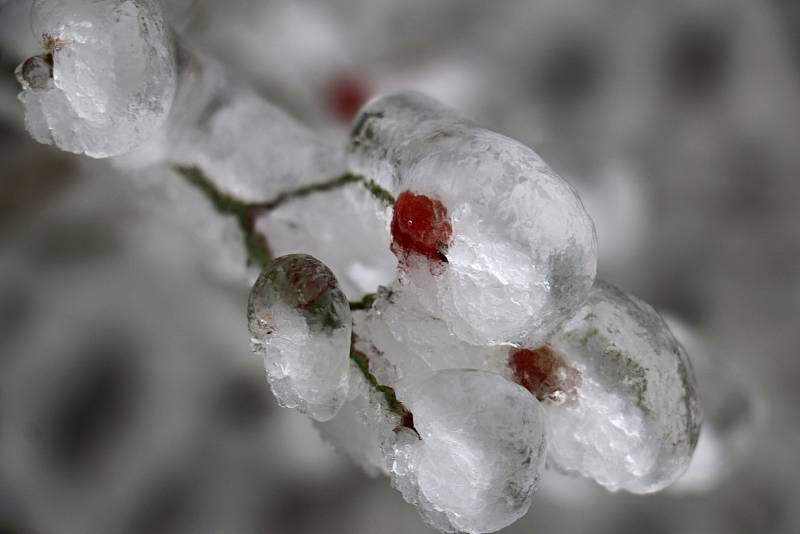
(129, 401)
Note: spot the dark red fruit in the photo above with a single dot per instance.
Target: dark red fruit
(544, 372)
(346, 94)
(420, 225)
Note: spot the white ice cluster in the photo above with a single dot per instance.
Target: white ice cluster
(523, 250)
(477, 454)
(410, 343)
(634, 421)
(106, 78)
(489, 351)
(460, 385)
(248, 147)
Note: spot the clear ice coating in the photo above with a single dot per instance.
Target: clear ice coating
(300, 323)
(521, 250)
(634, 421)
(106, 79)
(411, 343)
(364, 427)
(477, 454)
(248, 147)
(355, 245)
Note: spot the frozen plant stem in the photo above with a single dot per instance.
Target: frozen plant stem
(259, 252)
(392, 403)
(246, 213)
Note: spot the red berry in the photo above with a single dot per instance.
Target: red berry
(420, 225)
(544, 372)
(346, 94)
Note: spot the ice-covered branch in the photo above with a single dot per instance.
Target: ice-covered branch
(478, 290)
(247, 213)
(113, 80)
(256, 244)
(490, 327)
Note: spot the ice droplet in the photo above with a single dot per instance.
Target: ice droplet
(479, 452)
(521, 250)
(300, 323)
(635, 420)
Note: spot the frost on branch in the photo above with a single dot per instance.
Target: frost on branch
(245, 145)
(105, 80)
(420, 225)
(635, 420)
(523, 250)
(300, 323)
(544, 372)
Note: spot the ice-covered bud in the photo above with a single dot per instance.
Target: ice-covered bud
(420, 226)
(521, 251)
(634, 421)
(479, 452)
(106, 81)
(544, 372)
(300, 323)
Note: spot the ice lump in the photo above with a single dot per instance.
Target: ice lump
(106, 78)
(300, 322)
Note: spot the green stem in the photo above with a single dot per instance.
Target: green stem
(256, 244)
(247, 213)
(377, 191)
(362, 361)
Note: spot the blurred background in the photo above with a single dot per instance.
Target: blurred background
(129, 399)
